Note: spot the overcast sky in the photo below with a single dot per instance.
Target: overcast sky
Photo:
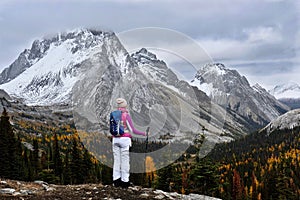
(259, 38)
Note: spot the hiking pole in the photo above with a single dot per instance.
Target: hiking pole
(147, 133)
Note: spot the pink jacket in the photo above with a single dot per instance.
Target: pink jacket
(128, 124)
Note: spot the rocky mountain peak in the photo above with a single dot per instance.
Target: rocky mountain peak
(144, 52)
(218, 75)
(156, 70)
(81, 38)
(74, 41)
(228, 88)
(144, 56)
(46, 73)
(216, 68)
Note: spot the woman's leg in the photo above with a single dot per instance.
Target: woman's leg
(125, 166)
(117, 159)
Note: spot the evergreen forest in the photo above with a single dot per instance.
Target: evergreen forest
(260, 165)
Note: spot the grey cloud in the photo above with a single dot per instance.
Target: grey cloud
(269, 74)
(214, 20)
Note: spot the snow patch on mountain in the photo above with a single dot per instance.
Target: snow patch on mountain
(285, 91)
(145, 56)
(215, 68)
(207, 88)
(213, 89)
(228, 88)
(288, 120)
(59, 65)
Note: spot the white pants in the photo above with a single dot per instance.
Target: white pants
(121, 167)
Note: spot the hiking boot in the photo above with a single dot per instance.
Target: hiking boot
(126, 184)
(117, 183)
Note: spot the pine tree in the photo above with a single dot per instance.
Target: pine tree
(98, 171)
(164, 178)
(49, 156)
(283, 184)
(57, 158)
(35, 158)
(8, 148)
(88, 166)
(269, 190)
(106, 174)
(66, 169)
(4, 158)
(20, 161)
(76, 163)
(28, 167)
(204, 178)
(168, 179)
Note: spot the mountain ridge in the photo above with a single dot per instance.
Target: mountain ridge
(287, 93)
(56, 67)
(87, 69)
(289, 90)
(288, 120)
(227, 87)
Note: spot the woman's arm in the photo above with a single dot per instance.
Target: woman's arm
(131, 127)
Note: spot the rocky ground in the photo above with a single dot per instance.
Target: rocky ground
(40, 190)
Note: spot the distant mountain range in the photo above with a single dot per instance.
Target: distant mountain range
(287, 121)
(227, 87)
(289, 90)
(288, 94)
(88, 69)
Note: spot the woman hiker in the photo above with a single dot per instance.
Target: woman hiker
(121, 145)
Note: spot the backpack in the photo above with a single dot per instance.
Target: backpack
(116, 124)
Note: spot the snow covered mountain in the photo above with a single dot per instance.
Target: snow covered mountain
(88, 69)
(46, 73)
(288, 120)
(228, 88)
(289, 90)
(288, 93)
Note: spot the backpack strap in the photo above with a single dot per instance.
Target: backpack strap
(124, 120)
